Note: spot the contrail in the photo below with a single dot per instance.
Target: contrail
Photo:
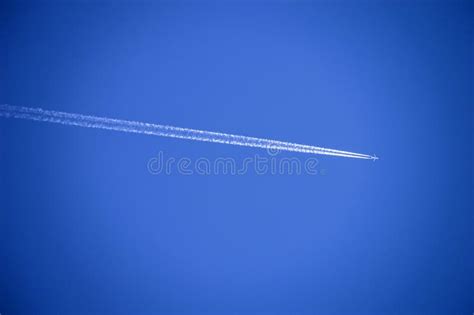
(72, 119)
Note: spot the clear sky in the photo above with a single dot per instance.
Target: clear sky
(87, 227)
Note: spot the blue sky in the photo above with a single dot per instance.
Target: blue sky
(86, 228)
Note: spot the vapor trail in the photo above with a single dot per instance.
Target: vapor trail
(72, 119)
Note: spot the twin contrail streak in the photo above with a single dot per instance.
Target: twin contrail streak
(72, 119)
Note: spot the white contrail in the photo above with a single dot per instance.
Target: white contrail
(165, 131)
